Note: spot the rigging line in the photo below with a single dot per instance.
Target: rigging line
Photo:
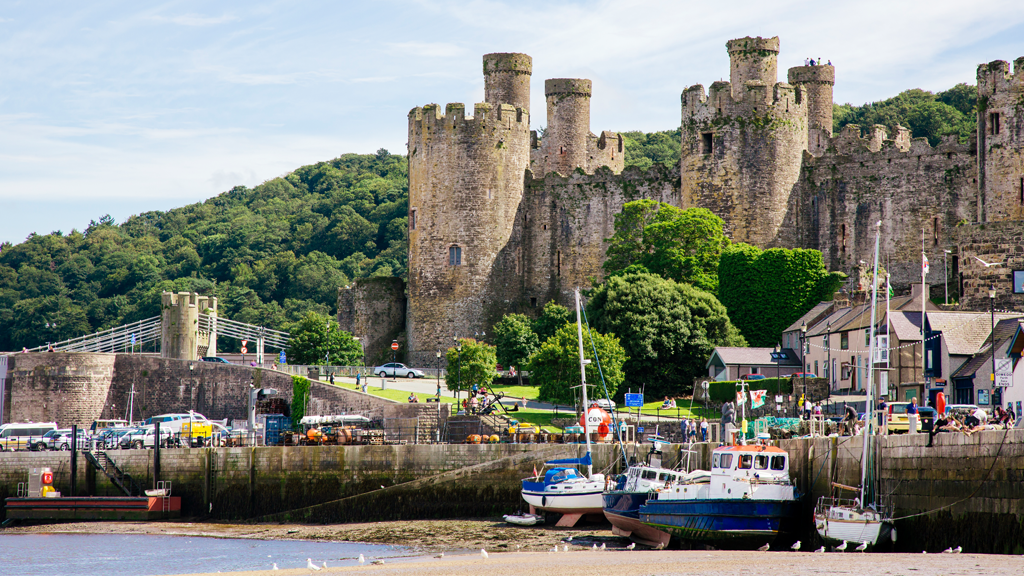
(976, 490)
(600, 372)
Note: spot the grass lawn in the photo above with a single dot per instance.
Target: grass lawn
(403, 396)
(531, 392)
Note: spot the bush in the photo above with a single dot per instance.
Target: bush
(725, 390)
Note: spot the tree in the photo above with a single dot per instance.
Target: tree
(316, 340)
(682, 245)
(766, 291)
(477, 360)
(552, 317)
(514, 339)
(668, 329)
(555, 366)
(928, 115)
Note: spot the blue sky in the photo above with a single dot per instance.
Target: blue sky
(123, 107)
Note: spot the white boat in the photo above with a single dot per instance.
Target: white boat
(629, 491)
(523, 519)
(562, 488)
(863, 519)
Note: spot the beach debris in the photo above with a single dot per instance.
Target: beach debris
(763, 548)
(310, 565)
(377, 562)
(795, 547)
(483, 554)
(863, 546)
(841, 547)
(362, 559)
(441, 555)
(631, 546)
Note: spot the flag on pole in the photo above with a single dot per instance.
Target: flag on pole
(757, 398)
(741, 398)
(535, 473)
(924, 263)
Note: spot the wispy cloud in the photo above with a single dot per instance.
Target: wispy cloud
(427, 49)
(195, 19)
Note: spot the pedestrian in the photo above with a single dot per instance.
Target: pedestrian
(812, 62)
(807, 408)
(684, 426)
(850, 421)
(882, 409)
(829, 63)
(473, 403)
(912, 416)
(703, 429)
(693, 430)
(331, 378)
(359, 376)
(807, 61)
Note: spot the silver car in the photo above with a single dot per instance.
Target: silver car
(397, 370)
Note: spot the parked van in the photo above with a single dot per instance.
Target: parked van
(23, 435)
(194, 428)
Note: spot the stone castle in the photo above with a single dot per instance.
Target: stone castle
(503, 220)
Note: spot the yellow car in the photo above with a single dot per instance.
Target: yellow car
(899, 422)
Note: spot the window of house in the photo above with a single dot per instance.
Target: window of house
(754, 370)
(867, 337)
(412, 219)
(815, 368)
(455, 256)
(844, 341)
(707, 143)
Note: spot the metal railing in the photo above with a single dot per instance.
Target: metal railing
(242, 331)
(119, 339)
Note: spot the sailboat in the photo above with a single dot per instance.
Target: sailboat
(562, 488)
(863, 518)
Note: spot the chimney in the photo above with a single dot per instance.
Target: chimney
(915, 290)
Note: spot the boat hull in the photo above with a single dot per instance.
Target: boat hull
(583, 502)
(726, 523)
(835, 531)
(622, 509)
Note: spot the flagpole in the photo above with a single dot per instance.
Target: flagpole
(924, 271)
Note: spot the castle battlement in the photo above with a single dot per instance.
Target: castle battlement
(851, 141)
(487, 120)
(756, 99)
(996, 77)
(601, 174)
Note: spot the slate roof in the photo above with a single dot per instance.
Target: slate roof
(733, 356)
(907, 326)
(813, 314)
(1005, 330)
(965, 333)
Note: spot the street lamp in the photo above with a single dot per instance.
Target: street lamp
(945, 272)
(992, 312)
(828, 361)
(438, 374)
(803, 352)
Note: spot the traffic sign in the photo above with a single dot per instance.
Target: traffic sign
(244, 342)
(244, 350)
(394, 345)
(282, 359)
(1004, 373)
(640, 430)
(634, 400)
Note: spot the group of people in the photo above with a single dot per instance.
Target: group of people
(975, 421)
(693, 428)
(813, 62)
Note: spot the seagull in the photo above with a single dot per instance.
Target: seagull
(554, 549)
(986, 264)
(569, 539)
(863, 546)
(325, 565)
(275, 566)
(362, 559)
(958, 550)
(603, 546)
(763, 548)
(377, 562)
(441, 555)
(841, 547)
(948, 550)
(631, 546)
(483, 554)
(565, 547)
(310, 565)
(795, 547)
(820, 550)
(595, 547)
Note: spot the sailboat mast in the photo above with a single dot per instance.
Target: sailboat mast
(583, 381)
(868, 410)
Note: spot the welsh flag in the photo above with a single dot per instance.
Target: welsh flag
(924, 263)
(741, 398)
(757, 398)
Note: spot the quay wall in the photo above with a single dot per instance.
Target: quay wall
(966, 491)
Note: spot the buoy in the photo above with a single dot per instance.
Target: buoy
(494, 439)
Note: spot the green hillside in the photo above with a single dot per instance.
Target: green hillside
(269, 253)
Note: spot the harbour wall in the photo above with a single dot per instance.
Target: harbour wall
(961, 490)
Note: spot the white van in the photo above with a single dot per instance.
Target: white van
(23, 435)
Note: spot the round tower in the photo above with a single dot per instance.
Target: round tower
(565, 139)
(817, 82)
(752, 59)
(507, 79)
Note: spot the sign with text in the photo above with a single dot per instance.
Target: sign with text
(1004, 373)
(634, 400)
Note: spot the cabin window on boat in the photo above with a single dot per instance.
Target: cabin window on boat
(727, 461)
(761, 462)
(715, 461)
(746, 461)
(778, 462)
(650, 474)
(662, 476)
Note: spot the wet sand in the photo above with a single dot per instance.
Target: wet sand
(629, 563)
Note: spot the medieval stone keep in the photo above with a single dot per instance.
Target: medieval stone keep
(502, 219)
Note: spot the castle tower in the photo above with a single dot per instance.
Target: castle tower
(817, 82)
(743, 145)
(752, 59)
(507, 79)
(565, 139)
(1001, 141)
(466, 177)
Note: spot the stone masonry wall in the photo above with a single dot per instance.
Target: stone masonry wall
(1001, 243)
(373, 310)
(1001, 141)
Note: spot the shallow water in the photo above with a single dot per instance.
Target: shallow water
(143, 555)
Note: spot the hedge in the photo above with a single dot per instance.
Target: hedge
(725, 391)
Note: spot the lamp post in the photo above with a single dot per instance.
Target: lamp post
(828, 351)
(992, 346)
(458, 349)
(438, 374)
(191, 397)
(945, 273)
(803, 353)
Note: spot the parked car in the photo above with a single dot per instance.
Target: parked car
(110, 438)
(144, 436)
(804, 375)
(61, 439)
(753, 377)
(46, 442)
(395, 370)
(217, 359)
(605, 404)
(898, 419)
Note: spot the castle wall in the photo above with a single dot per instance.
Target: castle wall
(373, 310)
(908, 185)
(1001, 141)
(507, 79)
(1001, 243)
(465, 187)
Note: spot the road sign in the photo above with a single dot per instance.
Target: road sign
(1004, 373)
(244, 350)
(634, 401)
(133, 338)
(640, 430)
(244, 342)
(282, 359)
(394, 345)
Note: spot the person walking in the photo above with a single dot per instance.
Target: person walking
(359, 376)
(703, 429)
(912, 416)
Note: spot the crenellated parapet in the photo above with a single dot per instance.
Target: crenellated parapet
(488, 123)
(568, 144)
(507, 79)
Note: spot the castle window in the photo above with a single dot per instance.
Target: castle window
(843, 238)
(533, 302)
(558, 264)
(936, 231)
(993, 123)
(545, 226)
(1022, 191)
(488, 193)
(454, 255)
(412, 219)
(708, 142)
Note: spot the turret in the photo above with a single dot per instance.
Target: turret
(507, 79)
(1001, 141)
(817, 82)
(565, 139)
(752, 59)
